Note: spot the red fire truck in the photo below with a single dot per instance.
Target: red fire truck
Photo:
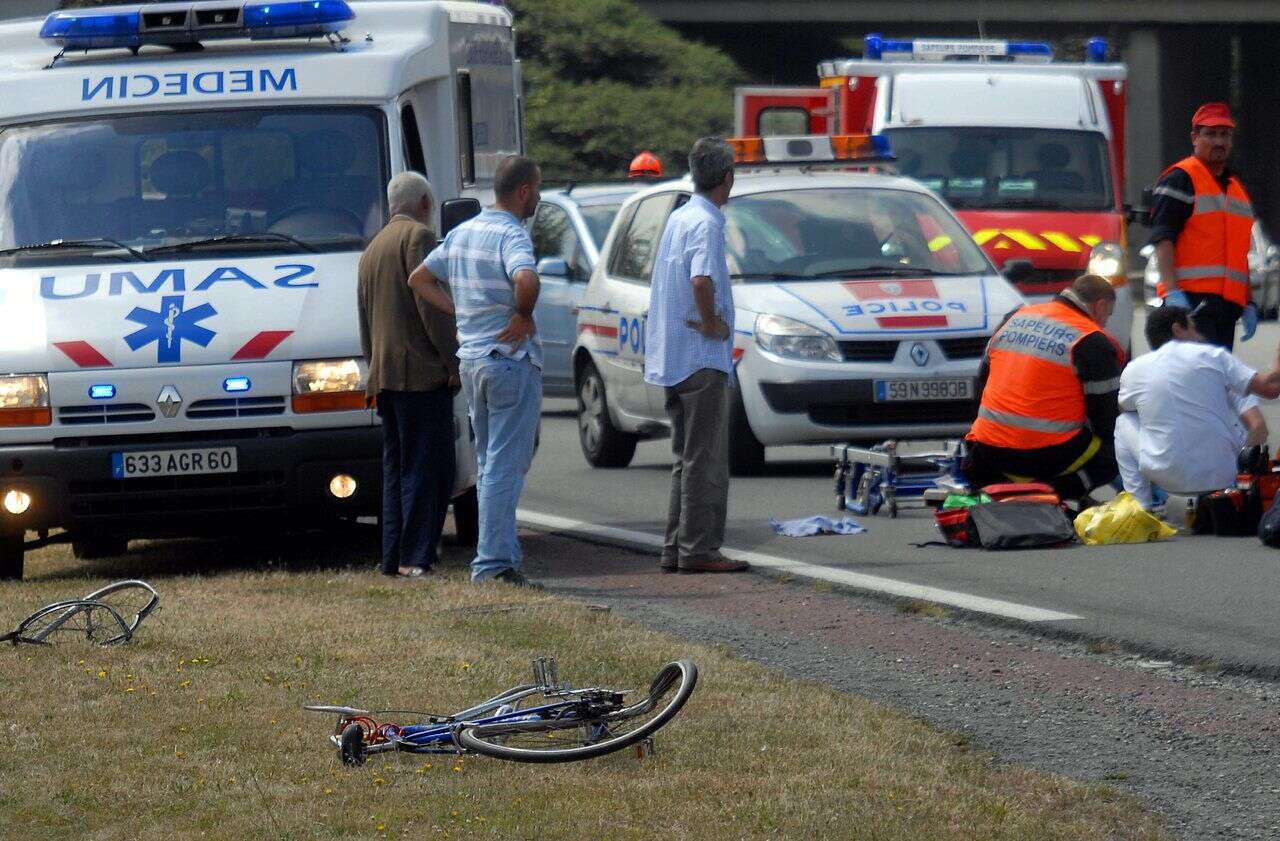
(1028, 151)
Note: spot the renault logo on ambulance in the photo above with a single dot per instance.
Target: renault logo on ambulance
(169, 401)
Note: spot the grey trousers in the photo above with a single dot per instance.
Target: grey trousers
(699, 412)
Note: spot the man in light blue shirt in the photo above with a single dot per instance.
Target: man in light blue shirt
(689, 352)
(488, 264)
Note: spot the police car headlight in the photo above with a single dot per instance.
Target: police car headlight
(1107, 260)
(328, 385)
(794, 339)
(24, 400)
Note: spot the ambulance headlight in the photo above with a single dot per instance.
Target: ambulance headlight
(24, 400)
(1106, 260)
(328, 385)
(794, 339)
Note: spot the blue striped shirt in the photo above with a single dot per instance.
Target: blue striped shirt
(692, 246)
(478, 259)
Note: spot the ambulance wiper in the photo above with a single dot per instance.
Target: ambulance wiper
(232, 239)
(768, 276)
(79, 245)
(882, 271)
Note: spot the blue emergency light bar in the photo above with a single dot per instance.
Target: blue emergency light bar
(879, 48)
(172, 24)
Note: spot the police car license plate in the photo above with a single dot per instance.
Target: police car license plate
(893, 391)
(173, 462)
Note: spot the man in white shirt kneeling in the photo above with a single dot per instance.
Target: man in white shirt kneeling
(1186, 409)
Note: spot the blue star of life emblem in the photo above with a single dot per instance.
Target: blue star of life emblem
(170, 327)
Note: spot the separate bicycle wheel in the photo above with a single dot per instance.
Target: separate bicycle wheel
(596, 730)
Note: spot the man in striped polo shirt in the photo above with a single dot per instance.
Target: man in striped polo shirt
(488, 264)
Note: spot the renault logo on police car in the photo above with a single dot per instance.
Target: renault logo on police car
(919, 354)
(169, 401)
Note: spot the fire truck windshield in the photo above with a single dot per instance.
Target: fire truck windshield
(1008, 168)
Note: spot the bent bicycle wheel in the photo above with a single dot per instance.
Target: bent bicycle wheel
(575, 737)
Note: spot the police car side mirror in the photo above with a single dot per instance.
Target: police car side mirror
(1018, 271)
(456, 211)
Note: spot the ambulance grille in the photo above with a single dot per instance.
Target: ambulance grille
(235, 407)
(971, 348)
(869, 351)
(101, 413)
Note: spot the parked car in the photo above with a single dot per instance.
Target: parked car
(567, 230)
(1264, 274)
(863, 310)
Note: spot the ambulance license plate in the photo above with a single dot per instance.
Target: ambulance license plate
(894, 391)
(173, 462)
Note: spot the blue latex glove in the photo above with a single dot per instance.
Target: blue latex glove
(1250, 319)
(1178, 298)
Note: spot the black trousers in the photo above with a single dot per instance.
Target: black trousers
(417, 474)
(1216, 318)
(987, 465)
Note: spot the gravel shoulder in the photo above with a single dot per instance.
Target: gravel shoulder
(1197, 745)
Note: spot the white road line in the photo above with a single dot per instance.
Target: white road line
(857, 580)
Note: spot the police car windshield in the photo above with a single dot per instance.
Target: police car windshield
(823, 234)
(598, 218)
(1008, 168)
(260, 180)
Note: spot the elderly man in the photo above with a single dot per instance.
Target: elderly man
(1189, 406)
(689, 352)
(413, 372)
(1048, 384)
(488, 262)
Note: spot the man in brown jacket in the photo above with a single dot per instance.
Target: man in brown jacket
(413, 373)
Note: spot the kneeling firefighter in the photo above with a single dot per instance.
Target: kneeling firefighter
(1049, 383)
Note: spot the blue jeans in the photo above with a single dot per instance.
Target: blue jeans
(417, 474)
(505, 396)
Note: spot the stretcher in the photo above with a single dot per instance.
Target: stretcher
(869, 478)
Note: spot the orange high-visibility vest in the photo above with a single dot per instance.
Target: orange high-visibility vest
(1033, 397)
(1211, 255)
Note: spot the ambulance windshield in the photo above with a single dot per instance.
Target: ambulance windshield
(833, 233)
(1008, 168)
(274, 180)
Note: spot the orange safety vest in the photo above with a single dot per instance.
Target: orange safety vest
(1033, 397)
(1211, 255)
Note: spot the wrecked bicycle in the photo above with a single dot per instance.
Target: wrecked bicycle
(545, 721)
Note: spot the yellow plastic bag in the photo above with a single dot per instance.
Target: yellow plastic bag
(1122, 520)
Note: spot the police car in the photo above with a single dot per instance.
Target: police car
(863, 309)
(567, 230)
(179, 235)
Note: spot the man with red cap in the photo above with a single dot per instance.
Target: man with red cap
(1201, 222)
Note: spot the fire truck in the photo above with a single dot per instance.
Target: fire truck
(1028, 151)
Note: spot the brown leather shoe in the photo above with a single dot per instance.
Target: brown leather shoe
(715, 562)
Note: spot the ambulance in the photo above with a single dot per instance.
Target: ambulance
(1028, 151)
(185, 192)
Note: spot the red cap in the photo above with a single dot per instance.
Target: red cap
(1213, 114)
(645, 165)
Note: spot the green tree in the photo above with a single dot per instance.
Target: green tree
(606, 81)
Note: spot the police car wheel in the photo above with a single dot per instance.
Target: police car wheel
(91, 548)
(746, 453)
(11, 552)
(603, 444)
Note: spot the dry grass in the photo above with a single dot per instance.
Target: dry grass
(196, 730)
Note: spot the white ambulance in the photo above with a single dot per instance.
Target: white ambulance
(185, 191)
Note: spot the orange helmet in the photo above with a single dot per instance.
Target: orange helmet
(645, 165)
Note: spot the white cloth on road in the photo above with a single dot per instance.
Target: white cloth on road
(808, 526)
(1180, 423)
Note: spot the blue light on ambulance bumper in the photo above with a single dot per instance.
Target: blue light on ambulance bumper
(104, 391)
(235, 384)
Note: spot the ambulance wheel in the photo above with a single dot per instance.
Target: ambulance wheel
(93, 547)
(603, 444)
(746, 453)
(11, 552)
(466, 517)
